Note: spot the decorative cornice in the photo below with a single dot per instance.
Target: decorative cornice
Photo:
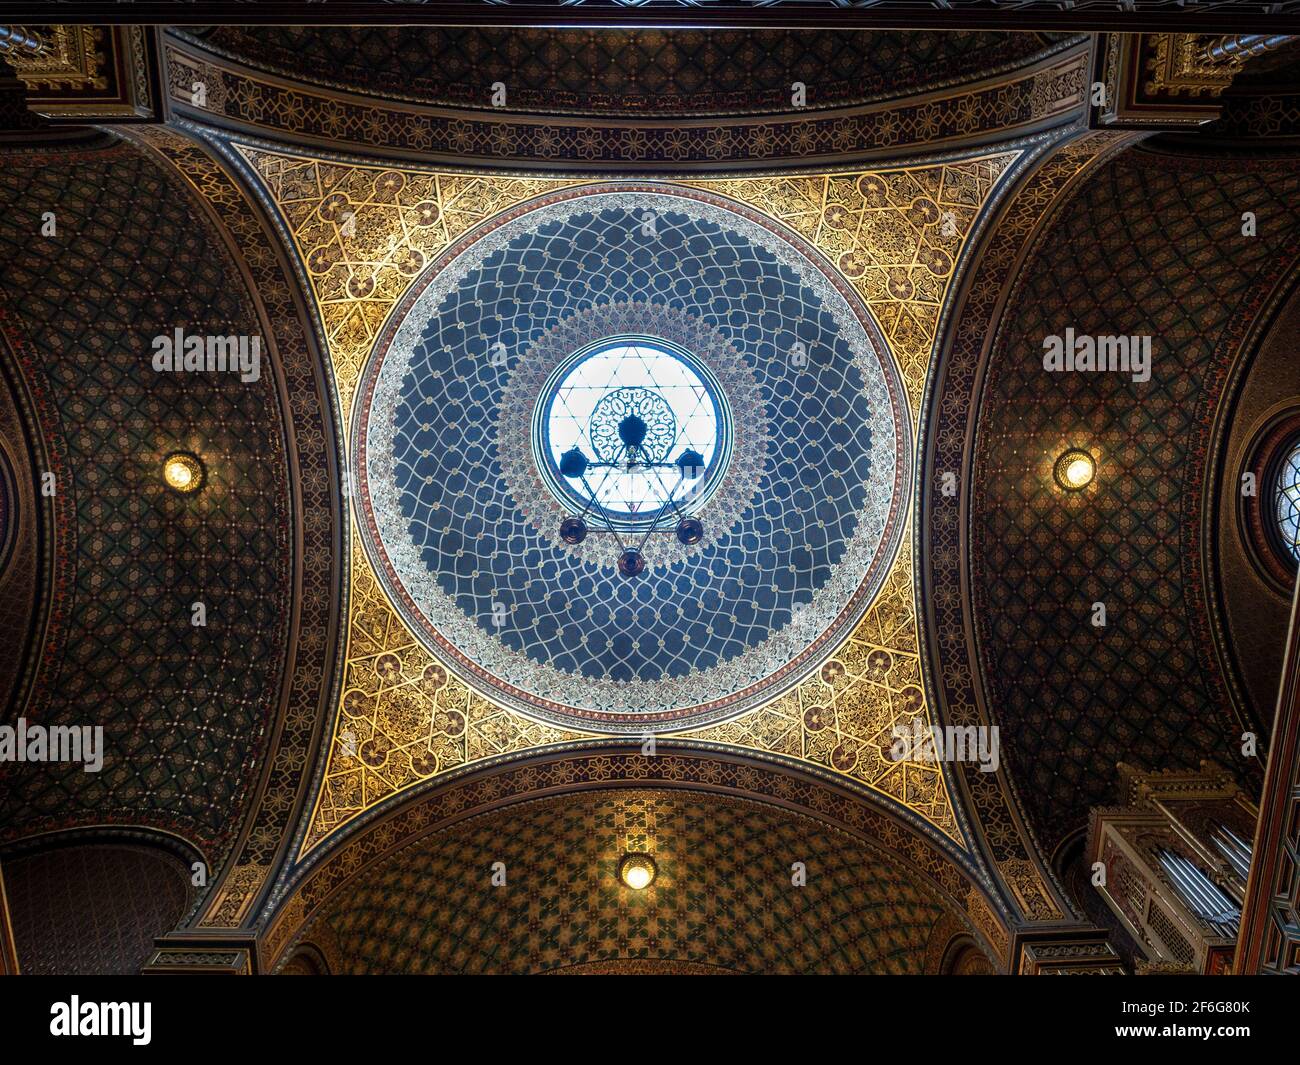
(218, 91)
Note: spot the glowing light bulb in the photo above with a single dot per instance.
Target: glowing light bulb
(183, 472)
(637, 871)
(1075, 470)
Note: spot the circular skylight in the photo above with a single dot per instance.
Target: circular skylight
(590, 398)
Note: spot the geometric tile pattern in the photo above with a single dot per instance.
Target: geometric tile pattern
(722, 894)
(1150, 245)
(182, 707)
(843, 716)
(633, 72)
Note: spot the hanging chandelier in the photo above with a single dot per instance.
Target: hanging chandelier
(632, 456)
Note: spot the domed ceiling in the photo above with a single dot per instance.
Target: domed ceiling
(450, 600)
(481, 326)
(800, 501)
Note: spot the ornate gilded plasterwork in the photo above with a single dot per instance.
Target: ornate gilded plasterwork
(842, 717)
(718, 898)
(1173, 80)
(404, 718)
(1184, 63)
(625, 72)
(87, 72)
(719, 653)
(895, 234)
(73, 58)
(359, 227)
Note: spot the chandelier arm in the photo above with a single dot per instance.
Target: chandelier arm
(609, 468)
(669, 501)
(652, 527)
(603, 516)
(681, 476)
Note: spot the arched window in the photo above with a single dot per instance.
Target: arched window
(1270, 500)
(1286, 498)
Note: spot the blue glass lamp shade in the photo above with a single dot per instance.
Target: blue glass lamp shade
(573, 463)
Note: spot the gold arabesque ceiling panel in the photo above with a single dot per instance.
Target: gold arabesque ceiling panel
(366, 232)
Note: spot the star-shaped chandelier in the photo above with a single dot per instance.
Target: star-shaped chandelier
(632, 429)
(630, 456)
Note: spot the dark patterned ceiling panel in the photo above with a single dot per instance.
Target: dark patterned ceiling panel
(1264, 98)
(1150, 245)
(93, 910)
(183, 707)
(722, 895)
(629, 72)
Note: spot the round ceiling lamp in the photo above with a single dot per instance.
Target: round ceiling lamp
(1075, 470)
(183, 472)
(637, 871)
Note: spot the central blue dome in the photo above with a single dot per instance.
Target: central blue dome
(480, 508)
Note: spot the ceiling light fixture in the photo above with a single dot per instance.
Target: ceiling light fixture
(1074, 470)
(637, 871)
(183, 472)
(633, 457)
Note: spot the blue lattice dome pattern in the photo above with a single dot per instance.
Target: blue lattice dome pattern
(499, 585)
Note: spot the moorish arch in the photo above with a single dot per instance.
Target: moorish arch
(413, 889)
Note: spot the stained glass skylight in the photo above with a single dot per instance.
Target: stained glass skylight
(634, 377)
(1286, 500)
